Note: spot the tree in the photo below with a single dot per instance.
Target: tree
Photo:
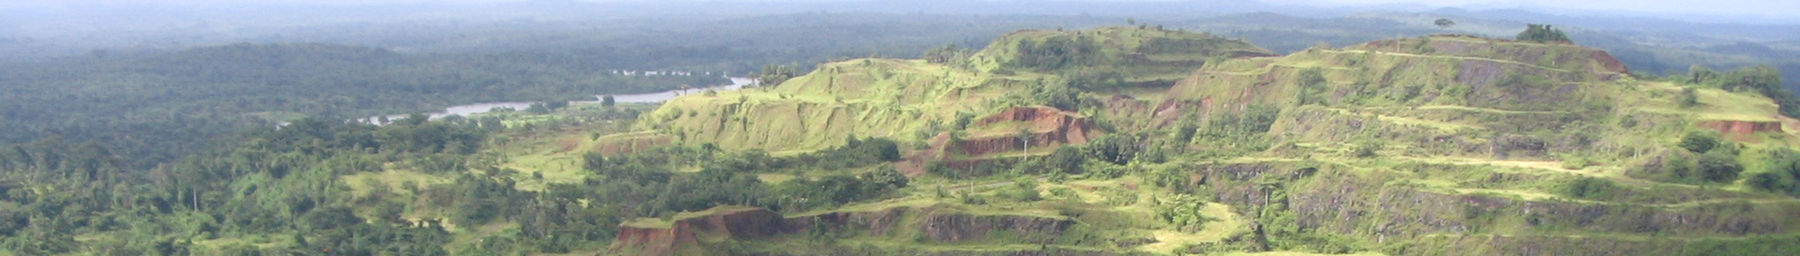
(773, 75)
(963, 119)
(1068, 159)
(1312, 85)
(1024, 136)
(1700, 74)
(606, 101)
(1688, 98)
(1444, 22)
(1114, 148)
(1699, 142)
(538, 108)
(888, 176)
(593, 161)
(1717, 166)
(1588, 187)
(1543, 34)
(945, 54)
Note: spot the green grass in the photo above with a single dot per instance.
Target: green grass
(1419, 155)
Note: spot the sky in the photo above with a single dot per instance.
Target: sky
(1765, 8)
(1753, 9)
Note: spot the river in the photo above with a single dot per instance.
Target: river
(655, 97)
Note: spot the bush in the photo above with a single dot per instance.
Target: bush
(1024, 189)
(1700, 142)
(1688, 98)
(1588, 187)
(1068, 159)
(1543, 34)
(1114, 148)
(1576, 162)
(1719, 167)
(1366, 149)
(1783, 174)
(1183, 211)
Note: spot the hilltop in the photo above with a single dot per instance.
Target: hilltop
(1415, 146)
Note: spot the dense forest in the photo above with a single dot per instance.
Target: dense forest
(285, 185)
(152, 106)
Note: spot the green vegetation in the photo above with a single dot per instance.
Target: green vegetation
(1543, 34)
(151, 108)
(1103, 141)
(1760, 79)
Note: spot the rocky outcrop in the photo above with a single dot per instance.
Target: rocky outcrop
(998, 133)
(877, 223)
(692, 235)
(1352, 204)
(683, 236)
(1047, 127)
(950, 228)
(619, 145)
(1742, 129)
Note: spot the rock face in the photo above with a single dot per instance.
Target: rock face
(1742, 129)
(877, 223)
(998, 133)
(1048, 127)
(684, 235)
(952, 228)
(1350, 205)
(940, 224)
(613, 146)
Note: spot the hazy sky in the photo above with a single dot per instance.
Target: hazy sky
(1779, 9)
(1769, 8)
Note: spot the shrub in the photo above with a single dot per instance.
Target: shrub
(1588, 187)
(1543, 34)
(1576, 162)
(1719, 167)
(1699, 142)
(1068, 159)
(1023, 189)
(1688, 99)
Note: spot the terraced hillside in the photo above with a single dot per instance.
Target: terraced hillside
(1441, 145)
(913, 100)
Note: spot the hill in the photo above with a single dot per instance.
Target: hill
(1415, 146)
(914, 100)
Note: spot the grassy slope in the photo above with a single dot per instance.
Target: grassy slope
(866, 97)
(1361, 84)
(898, 98)
(1366, 85)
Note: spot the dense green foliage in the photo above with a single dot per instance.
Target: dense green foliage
(154, 106)
(1700, 142)
(1056, 53)
(264, 182)
(1782, 174)
(1761, 79)
(1543, 34)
